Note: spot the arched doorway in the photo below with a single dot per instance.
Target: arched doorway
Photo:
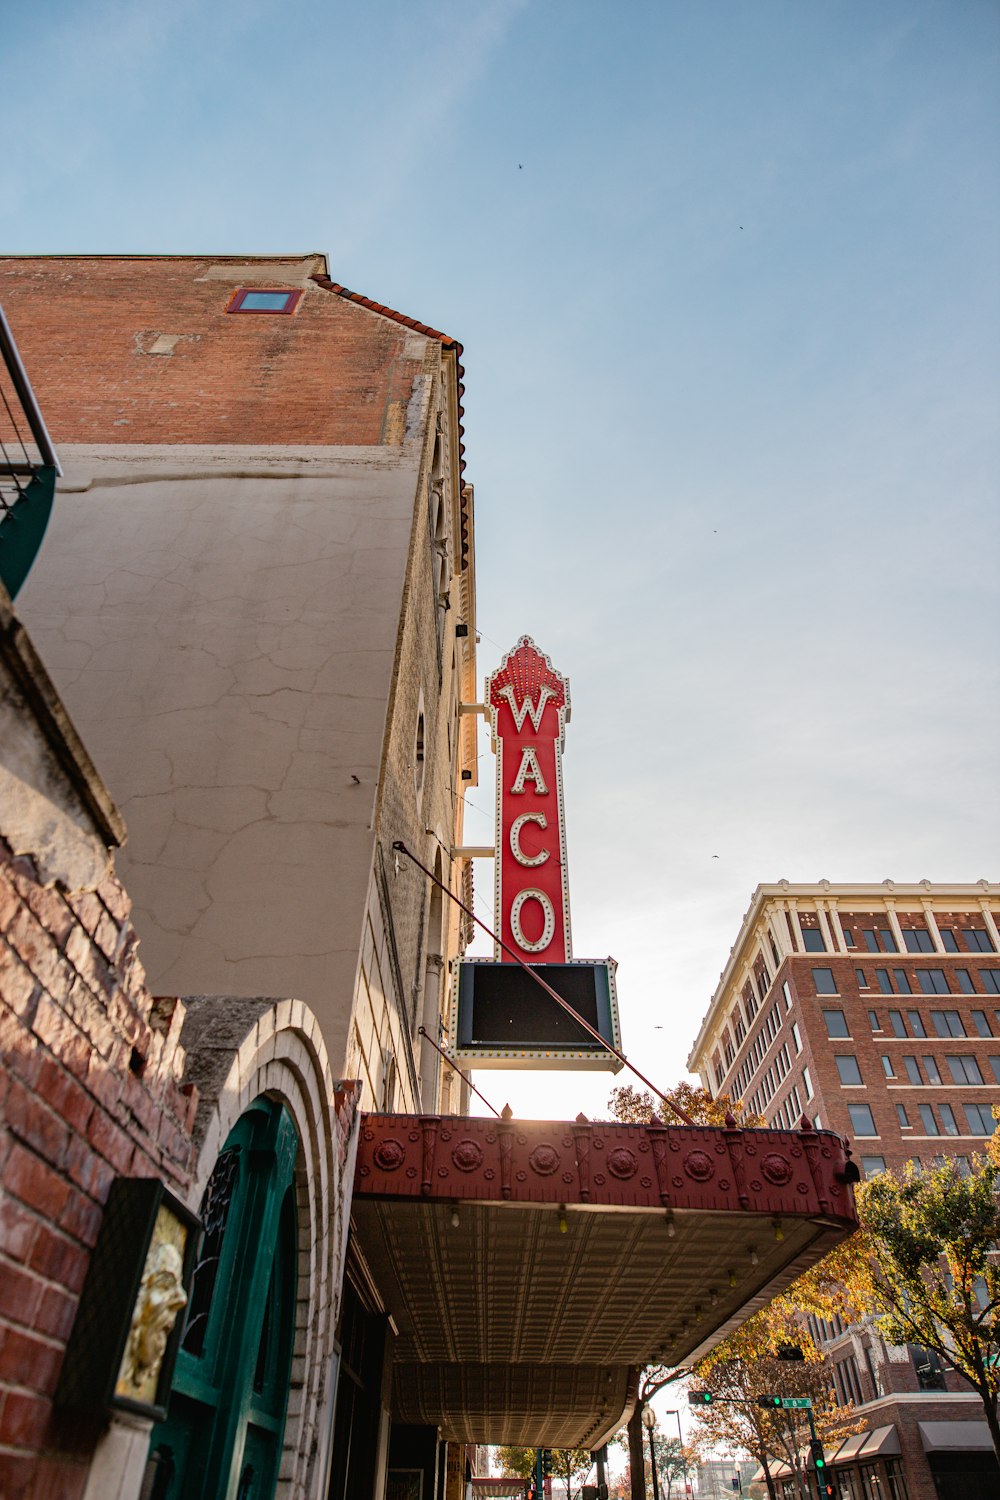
(222, 1436)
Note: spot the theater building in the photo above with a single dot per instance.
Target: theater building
(254, 607)
(875, 1011)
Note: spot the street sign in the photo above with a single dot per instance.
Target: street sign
(794, 1402)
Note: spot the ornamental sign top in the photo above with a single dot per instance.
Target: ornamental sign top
(528, 705)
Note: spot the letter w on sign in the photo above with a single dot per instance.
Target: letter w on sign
(528, 702)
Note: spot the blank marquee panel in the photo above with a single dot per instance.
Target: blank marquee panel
(501, 1018)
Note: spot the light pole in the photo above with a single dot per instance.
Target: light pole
(673, 1412)
(649, 1422)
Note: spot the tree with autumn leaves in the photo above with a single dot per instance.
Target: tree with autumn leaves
(568, 1464)
(923, 1267)
(932, 1239)
(637, 1107)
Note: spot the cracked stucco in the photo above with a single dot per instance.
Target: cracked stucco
(222, 625)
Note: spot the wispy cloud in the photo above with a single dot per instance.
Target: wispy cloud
(450, 56)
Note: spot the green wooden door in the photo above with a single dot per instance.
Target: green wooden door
(222, 1436)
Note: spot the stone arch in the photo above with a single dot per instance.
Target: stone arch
(238, 1049)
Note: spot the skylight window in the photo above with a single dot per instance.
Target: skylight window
(263, 300)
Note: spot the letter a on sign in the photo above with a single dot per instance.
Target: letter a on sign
(528, 703)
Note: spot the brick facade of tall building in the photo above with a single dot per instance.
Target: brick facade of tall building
(873, 1010)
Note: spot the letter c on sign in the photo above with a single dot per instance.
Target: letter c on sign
(515, 839)
(515, 920)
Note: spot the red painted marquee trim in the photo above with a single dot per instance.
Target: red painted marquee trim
(799, 1173)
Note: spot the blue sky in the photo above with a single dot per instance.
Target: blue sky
(726, 278)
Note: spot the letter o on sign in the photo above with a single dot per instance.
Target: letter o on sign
(547, 912)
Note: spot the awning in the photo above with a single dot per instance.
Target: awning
(881, 1442)
(955, 1437)
(850, 1448)
(874, 1442)
(531, 1267)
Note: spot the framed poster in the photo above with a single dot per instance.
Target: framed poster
(405, 1484)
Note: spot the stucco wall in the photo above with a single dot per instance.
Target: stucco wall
(223, 626)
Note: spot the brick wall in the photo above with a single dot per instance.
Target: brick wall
(89, 1089)
(332, 372)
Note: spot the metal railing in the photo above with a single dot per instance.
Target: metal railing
(28, 467)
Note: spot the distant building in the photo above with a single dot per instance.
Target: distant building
(874, 1010)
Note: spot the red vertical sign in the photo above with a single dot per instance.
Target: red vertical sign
(528, 703)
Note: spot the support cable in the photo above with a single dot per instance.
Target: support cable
(422, 1031)
(401, 848)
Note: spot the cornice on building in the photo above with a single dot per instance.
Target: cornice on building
(818, 896)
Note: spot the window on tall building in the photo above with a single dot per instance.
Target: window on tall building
(949, 940)
(871, 940)
(873, 1020)
(928, 1119)
(981, 1023)
(739, 1030)
(786, 991)
(962, 1166)
(929, 1370)
(947, 1023)
(933, 982)
(257, 300)
(847, 1067)
(848, 937)
(977, 940)
(902, 981)
(872, 1166)
(980, 1119)
(917, 940)
(994, 1063)
(824, 982)
(887, 940)
(931, 1069)
(963, 1069)
(860, 976)
(807, 1083)
(883, 981)
(990, 979)
(887, 1066)
(965, 982)
(903, 1117)
(862, 1119)
(836, 1023)
(896, 1022)
(912, 1070)
(812, 940)
(948, 1119)
(916, 1023)
(796, 1038)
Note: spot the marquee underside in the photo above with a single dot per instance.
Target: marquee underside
(531, 1268)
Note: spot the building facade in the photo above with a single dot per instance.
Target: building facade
(874, 1010)
(257, 597)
